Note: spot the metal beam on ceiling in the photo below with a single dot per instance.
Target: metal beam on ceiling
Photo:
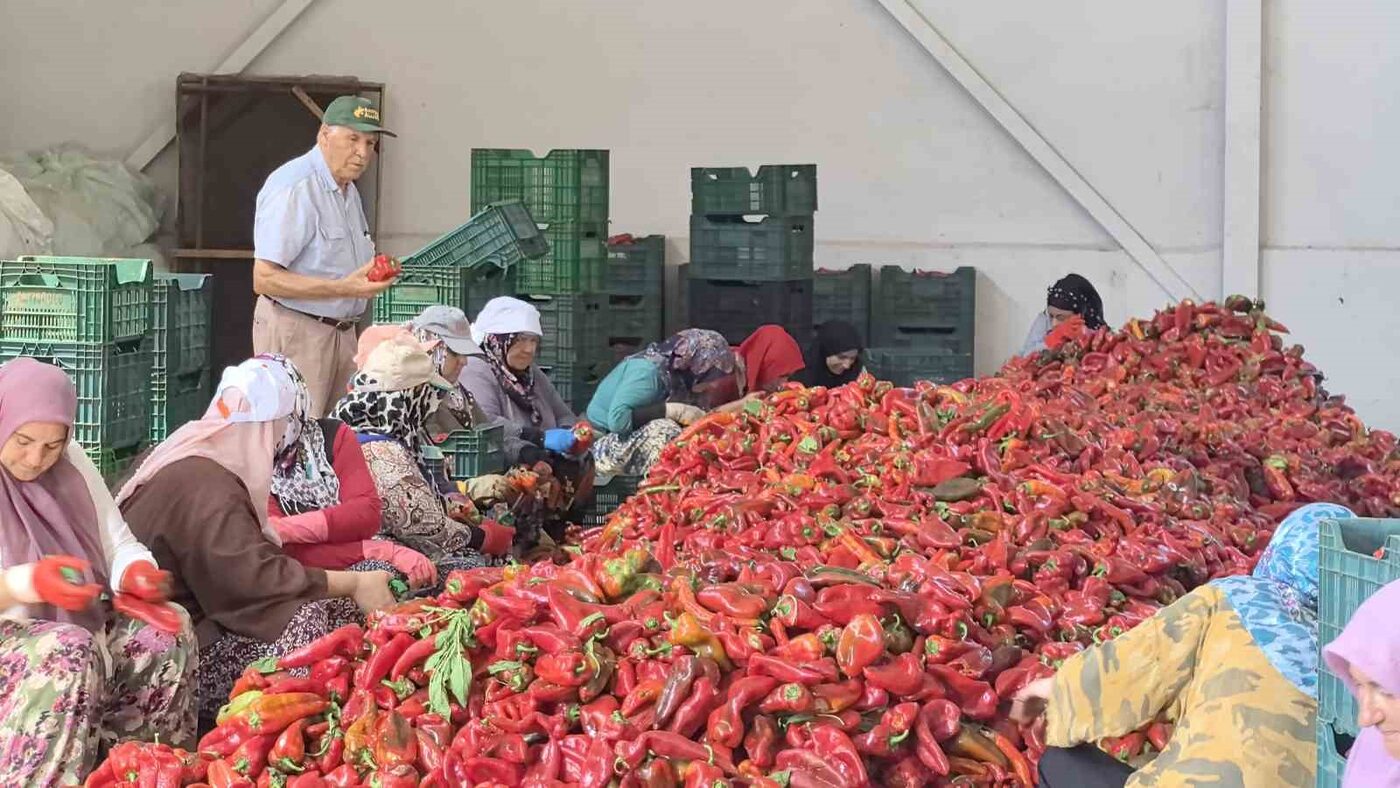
(1157, 269)
(242, 55)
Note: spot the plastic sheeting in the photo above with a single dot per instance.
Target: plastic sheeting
(24, 229)
(95, 207)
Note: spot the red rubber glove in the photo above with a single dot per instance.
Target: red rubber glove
(1071, 328)
(145, 582)
(498, 537)
(58, 580)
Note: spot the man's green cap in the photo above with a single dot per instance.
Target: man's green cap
(356, 112)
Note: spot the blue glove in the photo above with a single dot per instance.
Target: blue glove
(560, 441)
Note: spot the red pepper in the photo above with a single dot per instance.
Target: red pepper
(383, 268)
(726, 724)
(377, 667)
(734, 600)
(817, 672)
(668, 745)
(345, 642)
(343, 776)
(761, 741)
(862, 642)
(1127, 747)
(900, 675)
(271, 714)
(694, 711)
(790, 698)
(289, 752)
(837, 697)
(222, 775)
(251, 757)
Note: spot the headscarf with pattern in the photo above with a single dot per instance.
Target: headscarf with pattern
(1077, 295)
(303, 477)
(458, 401)
(688, 359)
(1278, 602)
(401, 415)
(519, 386)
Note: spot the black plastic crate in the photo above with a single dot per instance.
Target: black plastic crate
(177, 399)
(608, 497)
(775, 190)
(631, 320)
(843, 295)
(903, 366)
(774, 249)
(914, 301)
(637, 268)
(575, 382)
(571, 329)
(735, 309)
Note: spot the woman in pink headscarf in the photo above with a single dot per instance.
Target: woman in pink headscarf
(1366, 656)
(74, 674)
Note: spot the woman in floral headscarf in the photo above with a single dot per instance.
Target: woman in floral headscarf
(644, 402)
(390, 402)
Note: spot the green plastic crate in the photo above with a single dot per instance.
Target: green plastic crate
(112, 463)
(419, 287)
(575, 382)
(903, 366)
(576, 263)
(501, 235)
(775, 190)
(1349, 573)
(113, 383)
(774, 249)
(1331, 764)
(74, 299)
(177, 400)
(571, 328)
(631, 320)
(562, 186)
(637, 268)
(472, 453)
(182, 318)
(608, 497)
(908, 303)
(843, 295)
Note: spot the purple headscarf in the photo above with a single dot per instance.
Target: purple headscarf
(54, 514)
(1371, 642)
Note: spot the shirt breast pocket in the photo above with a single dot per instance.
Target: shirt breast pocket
(333, 232)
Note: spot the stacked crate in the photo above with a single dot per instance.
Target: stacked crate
(751, 249)
(566, 191)
(91, 317)
(921, 325)
(635, 286)
(1356, 558)
(843, 295)
(181, 335)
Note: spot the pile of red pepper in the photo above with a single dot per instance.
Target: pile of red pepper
(836, 588)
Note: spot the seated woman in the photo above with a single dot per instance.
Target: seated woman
(509, 386)
(644, 401)
(200, 502)
(833, 358)
(1071, 306)
(1366, 656)
(389, 404)
(324, 505)
(77, 675)
(1236, 653)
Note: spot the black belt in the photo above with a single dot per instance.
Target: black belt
(338, 325)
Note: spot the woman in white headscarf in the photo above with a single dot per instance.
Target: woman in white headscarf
(199, 502)
(507, 384)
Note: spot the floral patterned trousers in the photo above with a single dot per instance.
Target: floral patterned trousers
(66, 694)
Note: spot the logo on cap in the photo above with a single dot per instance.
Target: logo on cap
(366, 113)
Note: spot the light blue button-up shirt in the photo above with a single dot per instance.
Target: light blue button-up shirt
(310, 226)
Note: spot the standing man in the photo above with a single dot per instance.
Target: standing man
(313, 252)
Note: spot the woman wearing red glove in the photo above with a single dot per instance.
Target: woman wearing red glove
(76, 674)
(1072, 306)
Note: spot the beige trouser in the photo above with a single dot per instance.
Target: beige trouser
(324, 355)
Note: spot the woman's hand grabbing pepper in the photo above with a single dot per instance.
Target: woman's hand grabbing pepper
(58, 580)
(145, 582)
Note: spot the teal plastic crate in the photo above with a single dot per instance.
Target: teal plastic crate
(177, 400)
(561, 186)
(608, 497)
(1349, 573)
(182, 318)
(472, 453)
(113, 382)
(775, 190)
(843, 295)
(905, 366)
(112, 463)
(908, 303)
(576, 263)
(637, 268)
(499, 235)
(773, 249)
(1331, 765)
(74, 299)
(419, 287)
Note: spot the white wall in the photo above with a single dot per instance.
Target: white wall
(911, 171)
